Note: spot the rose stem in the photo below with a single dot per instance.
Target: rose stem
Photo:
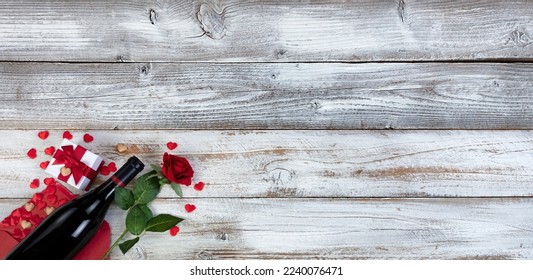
(115, 244)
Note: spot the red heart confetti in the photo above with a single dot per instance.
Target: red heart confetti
(17, 233)
(172, 145)
(32, 153)
(51, 189)
(34, 184)
(37, 197)
(88, 138)
(174, 230)
(48, 181)
(40, 205)
(199, 186)
(50, 150)
(67, 135)
(62, 201)
(105, 171)
(189, 208)
(112, 167)
(35, 219)
(17, 212)
(25, 215)
(44, 164)
(52, 199)
(43, 134)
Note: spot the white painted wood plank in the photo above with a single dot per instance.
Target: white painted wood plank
(339, 229)
(309, 163)
(266, 96)
(254, 30)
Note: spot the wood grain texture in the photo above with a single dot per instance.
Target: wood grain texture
(339, 229)
(257, 30)
(292, 164)
(266, 96)
(306, 153)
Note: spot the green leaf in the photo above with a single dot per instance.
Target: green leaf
(146, 188)
(126, 245)
(136, 220)
(156, 167)
(145, 176)
(177, 189)
(124, 198)
(162, 222)
(146, 210)
(152, 176)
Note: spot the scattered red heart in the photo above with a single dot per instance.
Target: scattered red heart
(48, 181)
(62, 201)
(37, 197)
(40, 205)
(43, 134)
(34, 184)
(51, 189)
(25, 214)
(67, 135)
(52, 199)
(88, 138)
(16, 213)
(105, 171)
(199, 186)
(112, 167)
(174, 230)
(32, 153)
(44, 164)
(189, 208)
(172, 145)
(50, 150)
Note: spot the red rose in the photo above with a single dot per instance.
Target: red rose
(177, 169)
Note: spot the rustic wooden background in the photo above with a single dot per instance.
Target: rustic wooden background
(325, 129)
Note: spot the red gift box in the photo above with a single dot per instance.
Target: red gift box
(74, 165)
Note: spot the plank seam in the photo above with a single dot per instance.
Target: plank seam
(458, 61)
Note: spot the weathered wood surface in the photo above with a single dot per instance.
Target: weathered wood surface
(287, 132)
(309, 163)
(235, 30)
(339, 229)
(266, 96)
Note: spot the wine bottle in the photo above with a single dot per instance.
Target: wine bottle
(70, 227)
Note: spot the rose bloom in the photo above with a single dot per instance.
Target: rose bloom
(177, 169)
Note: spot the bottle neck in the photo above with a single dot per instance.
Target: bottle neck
(121, 178)
(124, 175)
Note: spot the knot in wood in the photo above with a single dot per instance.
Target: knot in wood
(281, 176)
(205, 256)
(280, 53)
(145, 69)
(122, 58)
(211, 22)
(223, 236)
(137, 253)
(152, 16)
(315, 105)
(520, 37)
(401, 10)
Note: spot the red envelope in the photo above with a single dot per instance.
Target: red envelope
(7, 242)
(15, 227)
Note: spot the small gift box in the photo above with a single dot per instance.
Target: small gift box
(74, 165)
